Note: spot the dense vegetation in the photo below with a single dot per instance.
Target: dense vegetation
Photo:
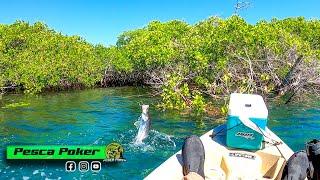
(183, 63)
(34, 58)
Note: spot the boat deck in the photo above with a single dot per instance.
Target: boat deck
(215, 150)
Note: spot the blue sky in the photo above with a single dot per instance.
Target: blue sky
(102, 21)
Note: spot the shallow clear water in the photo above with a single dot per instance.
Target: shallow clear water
(101, 116)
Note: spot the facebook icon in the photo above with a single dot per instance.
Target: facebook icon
(70, 166)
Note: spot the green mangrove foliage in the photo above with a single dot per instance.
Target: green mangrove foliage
(34, 58)
(216, 57)
(184, 63)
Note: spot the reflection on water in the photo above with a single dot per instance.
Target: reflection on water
(100, 116)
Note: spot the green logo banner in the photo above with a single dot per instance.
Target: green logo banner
(52, 152)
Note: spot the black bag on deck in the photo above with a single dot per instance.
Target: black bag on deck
(313, 152)
(297, 167)
(304, 164)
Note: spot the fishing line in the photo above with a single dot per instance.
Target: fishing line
(274, 142)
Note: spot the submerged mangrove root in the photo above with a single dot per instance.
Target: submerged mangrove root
(113, 78)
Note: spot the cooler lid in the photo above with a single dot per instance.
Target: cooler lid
(250, 105)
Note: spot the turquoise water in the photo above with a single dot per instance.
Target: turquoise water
(101, 116)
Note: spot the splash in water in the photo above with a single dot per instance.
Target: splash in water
(145, 140)
(155, 141)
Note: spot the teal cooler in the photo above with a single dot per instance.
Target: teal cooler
(239, 135)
